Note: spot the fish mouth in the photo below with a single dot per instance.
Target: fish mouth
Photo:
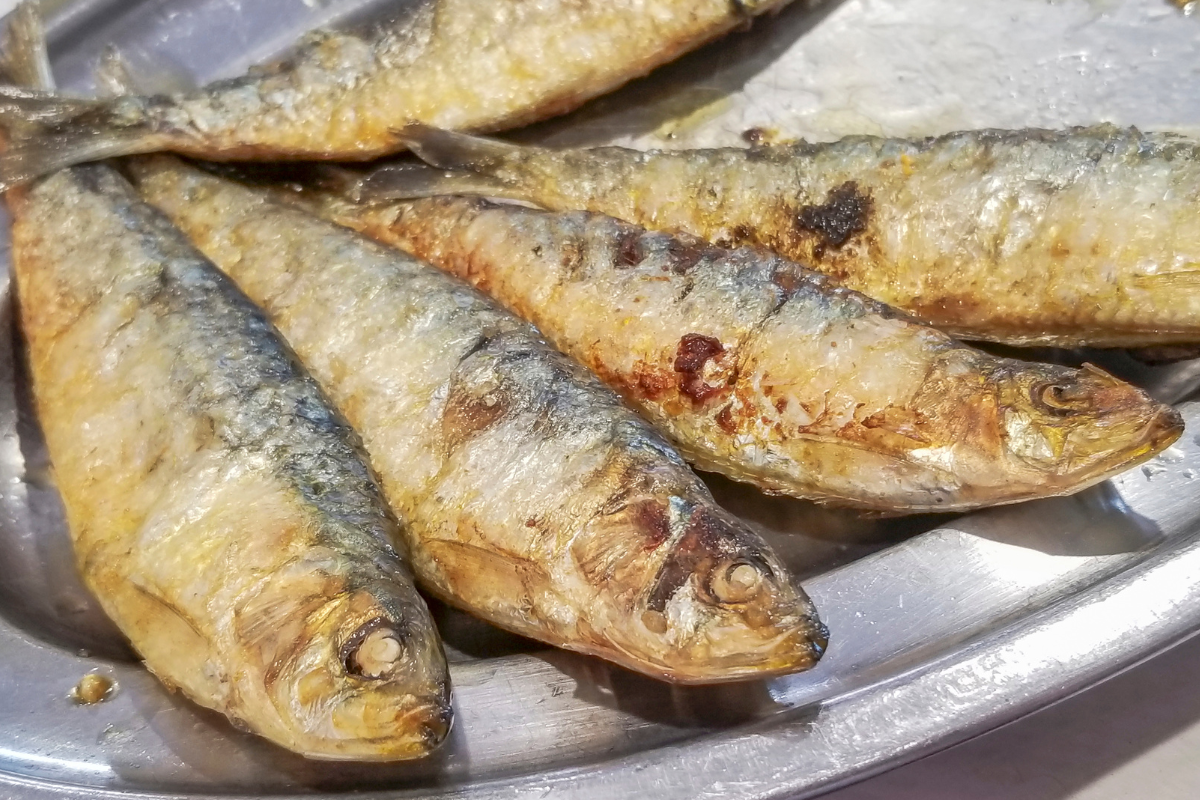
(795, 649)
(1163, 428)
(388, 725)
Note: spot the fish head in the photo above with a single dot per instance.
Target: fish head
(1078, 426)
(708, 601)
(348, 673)
(1017, 430)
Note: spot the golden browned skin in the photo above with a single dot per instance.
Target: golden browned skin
(220, 510)
(463, 64)
(534, 499)
(771, 374)
(1089, 236)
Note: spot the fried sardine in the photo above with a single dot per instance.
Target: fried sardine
(772, 374)
(534, 498)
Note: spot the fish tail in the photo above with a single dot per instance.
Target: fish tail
(30, 99)
(412, 182)
(28, 108)
(25, 59)
(457, 151)
(31, 158)
(113, 76)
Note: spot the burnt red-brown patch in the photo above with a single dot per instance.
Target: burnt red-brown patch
(629, 250)
(651, 520)
(694, 351)
(845, 213)
(648, 381)
(725, 420)
(683, 253)
(787, 277)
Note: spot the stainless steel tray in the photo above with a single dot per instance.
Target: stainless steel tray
(936, 636)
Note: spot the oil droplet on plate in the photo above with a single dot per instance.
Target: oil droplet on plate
(92, 689)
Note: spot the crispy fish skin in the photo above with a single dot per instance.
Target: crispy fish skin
(771, 374)
(464, 64)
(220, 509)
(1087, 236)
(534, 498)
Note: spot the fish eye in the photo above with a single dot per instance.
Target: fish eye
(736, 582)
(1057, 399)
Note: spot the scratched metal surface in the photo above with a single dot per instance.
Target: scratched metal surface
(942, 628)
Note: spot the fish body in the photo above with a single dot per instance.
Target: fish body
(220, 510)
(1081, 237)
(464, 64)
(772, 374)
(534, 499)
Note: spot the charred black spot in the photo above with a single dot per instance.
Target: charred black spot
(755, 136)
(844, 214)
(696, 350)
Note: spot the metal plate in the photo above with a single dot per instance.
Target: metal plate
(936, 637)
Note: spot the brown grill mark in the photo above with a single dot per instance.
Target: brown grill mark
(695, 350)
(844, 214)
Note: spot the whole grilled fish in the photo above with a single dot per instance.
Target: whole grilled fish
(469, 64)
(220, 509)
(770, 373)
(1089, 236)
(534, 498)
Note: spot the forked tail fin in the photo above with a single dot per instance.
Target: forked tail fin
(25, 110)
(25, 60)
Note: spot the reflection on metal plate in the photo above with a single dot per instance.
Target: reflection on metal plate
(941, 627)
